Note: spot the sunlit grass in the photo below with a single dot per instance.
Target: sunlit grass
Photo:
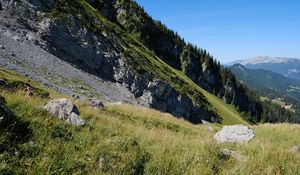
(125, 139)
(269, 152)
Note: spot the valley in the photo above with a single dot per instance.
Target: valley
(271, 86)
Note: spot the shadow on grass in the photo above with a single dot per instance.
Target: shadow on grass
(13, 132)
(7, 172)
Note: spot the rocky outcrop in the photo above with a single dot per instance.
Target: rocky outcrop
(74, 43)
(165, 98)
(229, 92)
(65, 111)
(234, 134)
(93, 102)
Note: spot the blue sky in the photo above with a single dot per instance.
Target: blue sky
(233, 29)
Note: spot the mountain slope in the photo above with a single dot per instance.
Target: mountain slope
(263, 79)
(123, 59)
(101, 39)
(289, 67)
(274, 86)
(196, 63)
(126, 139)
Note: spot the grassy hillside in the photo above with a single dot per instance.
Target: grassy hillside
(227, 113)
(124, 139)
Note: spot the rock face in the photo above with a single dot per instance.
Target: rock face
(77, 45)
(95, 103)
(65, 110)
(235, 134)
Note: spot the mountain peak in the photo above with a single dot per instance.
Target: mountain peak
(266, 59)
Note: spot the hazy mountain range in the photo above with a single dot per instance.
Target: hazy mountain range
(263, 79)
(289, 67)
(269, 84)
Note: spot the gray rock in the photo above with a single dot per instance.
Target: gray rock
(294, 150)
(65, 110)
(234, 134)
(230, 153)
(30, 36)
(93, 102)
(1, 47)
(157, 87)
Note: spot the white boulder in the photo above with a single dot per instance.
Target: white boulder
(234, 134)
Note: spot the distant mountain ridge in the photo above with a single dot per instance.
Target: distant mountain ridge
(289, 67)
(269, 84)
(259, 79)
